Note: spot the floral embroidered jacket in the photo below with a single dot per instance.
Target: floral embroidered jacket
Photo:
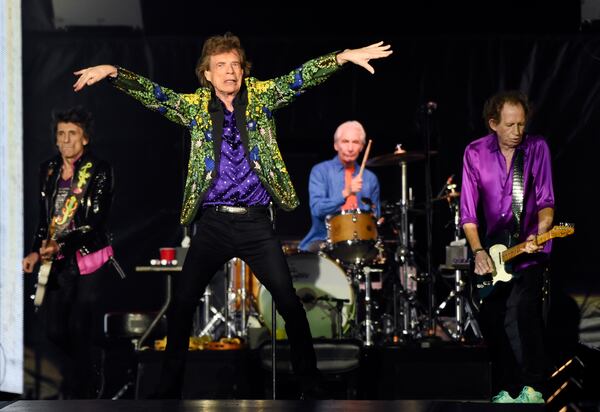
(202, 114)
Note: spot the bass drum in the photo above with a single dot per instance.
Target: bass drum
(317, 279)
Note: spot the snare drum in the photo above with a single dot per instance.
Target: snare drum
(316, 279)
(352, 235)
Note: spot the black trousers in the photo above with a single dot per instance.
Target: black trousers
(511, 320)
(220, 237)
(72, 320)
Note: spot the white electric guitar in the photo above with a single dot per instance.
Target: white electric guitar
(42, 281)
(501, 255)
(44, 273)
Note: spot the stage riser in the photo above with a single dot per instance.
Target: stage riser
(455, 373)
(444, 372)
(209, 375)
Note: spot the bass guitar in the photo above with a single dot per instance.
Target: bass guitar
(501, 255)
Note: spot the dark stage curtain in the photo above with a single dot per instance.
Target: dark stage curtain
(458, 72)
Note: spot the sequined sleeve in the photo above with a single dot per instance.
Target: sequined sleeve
(177, 107)
(283, 90)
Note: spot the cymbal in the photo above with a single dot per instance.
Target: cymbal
(392, 159)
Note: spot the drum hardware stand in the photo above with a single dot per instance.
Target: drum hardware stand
(368, 305)
(339, 307)
(355, 270)
(218, 316)
(232, 295)
(462, 305)
(402, 254)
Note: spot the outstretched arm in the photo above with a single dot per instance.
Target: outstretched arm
(93, 75)
(362, 56)
(179, 108)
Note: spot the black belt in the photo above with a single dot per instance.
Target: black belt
(240, 210)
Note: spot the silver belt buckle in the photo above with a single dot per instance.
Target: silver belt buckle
(233, 209)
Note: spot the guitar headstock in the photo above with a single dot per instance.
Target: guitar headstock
(562, 230)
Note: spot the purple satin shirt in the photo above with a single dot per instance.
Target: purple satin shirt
(485, 181)
(237, 184)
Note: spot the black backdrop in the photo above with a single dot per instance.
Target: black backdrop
(458, 71)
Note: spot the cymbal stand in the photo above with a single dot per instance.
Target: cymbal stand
(403, 257)
(430, 108)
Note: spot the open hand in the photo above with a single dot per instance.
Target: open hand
(93, 75)
(362, 56)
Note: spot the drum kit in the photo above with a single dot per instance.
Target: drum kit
(356, 286)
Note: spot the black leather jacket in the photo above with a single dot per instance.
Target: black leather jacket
(89, 233)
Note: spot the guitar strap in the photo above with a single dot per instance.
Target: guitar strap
(518, 191)
(64, 215)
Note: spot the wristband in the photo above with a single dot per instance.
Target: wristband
(476, 251)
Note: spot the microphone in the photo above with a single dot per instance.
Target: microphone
(431, 107)
(448, 182)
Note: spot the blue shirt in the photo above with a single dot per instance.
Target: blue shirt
(237, 184)
(325, 190)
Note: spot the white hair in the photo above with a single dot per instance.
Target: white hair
(350, 124)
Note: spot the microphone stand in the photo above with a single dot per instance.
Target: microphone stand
(429, 109)
(273, 325)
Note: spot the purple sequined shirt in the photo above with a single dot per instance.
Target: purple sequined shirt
(237, 184)
(485, 181)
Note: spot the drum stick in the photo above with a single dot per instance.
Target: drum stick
(365, 157)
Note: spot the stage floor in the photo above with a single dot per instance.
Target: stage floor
(261, 406)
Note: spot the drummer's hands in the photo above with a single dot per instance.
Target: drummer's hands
(356, 184)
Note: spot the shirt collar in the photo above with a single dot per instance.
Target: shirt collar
(493, 145)
(339, 164)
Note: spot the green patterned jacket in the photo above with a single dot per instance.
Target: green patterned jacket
(202, 114)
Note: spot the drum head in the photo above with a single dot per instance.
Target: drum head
(316, 279)
(352, 235)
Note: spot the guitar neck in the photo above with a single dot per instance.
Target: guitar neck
(516, 250)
